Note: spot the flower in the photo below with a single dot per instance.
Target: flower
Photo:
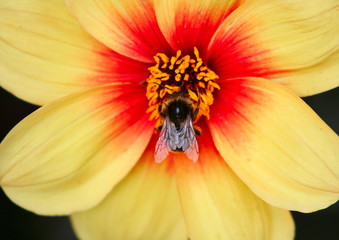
(100, 70)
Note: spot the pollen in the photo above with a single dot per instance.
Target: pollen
(187, 74)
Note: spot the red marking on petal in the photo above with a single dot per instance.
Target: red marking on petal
(128, 27)
(195, 24)
(149, 39)
(234, 96)
(131, 97)
(234, 52)
(113, 67)
(124, 107)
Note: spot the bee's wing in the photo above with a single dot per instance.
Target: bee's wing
(161, 150)
(192, 151)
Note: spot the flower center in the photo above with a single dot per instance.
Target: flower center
(185, 74)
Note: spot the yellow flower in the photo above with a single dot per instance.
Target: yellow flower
(102, 68)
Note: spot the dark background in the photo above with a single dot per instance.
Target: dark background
(16, 223)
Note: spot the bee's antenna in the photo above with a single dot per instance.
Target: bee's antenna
(195, 114)
(182, 84)
(163, 86)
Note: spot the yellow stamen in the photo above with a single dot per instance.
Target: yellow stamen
(197, 66)
(201, 84)
(196, 53)
(164, 58)
(162, 93)
(177, 77)
(193, 95)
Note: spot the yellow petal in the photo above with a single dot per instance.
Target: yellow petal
(276, 144)
(294, 43)
(144, 205)
(129, 27)
(218, 205)
(45, 53)
(320, 77)
(187, 24)
(68, 155)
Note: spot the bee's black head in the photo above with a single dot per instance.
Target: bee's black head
(178, 111)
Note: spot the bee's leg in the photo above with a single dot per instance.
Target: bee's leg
(162, 115)
(160, 110)
(195, 114)
(197, 131)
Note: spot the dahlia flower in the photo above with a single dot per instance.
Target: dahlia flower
(102, 71)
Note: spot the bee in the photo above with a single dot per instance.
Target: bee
(177, 133)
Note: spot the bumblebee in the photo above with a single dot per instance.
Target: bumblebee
(177, 133)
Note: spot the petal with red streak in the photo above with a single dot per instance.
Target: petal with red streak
(218, 205)
(45, 54)
(128, 27)
(235, 52)
(67, 156)
(187, 24)
(294, 43)
(276, 144)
